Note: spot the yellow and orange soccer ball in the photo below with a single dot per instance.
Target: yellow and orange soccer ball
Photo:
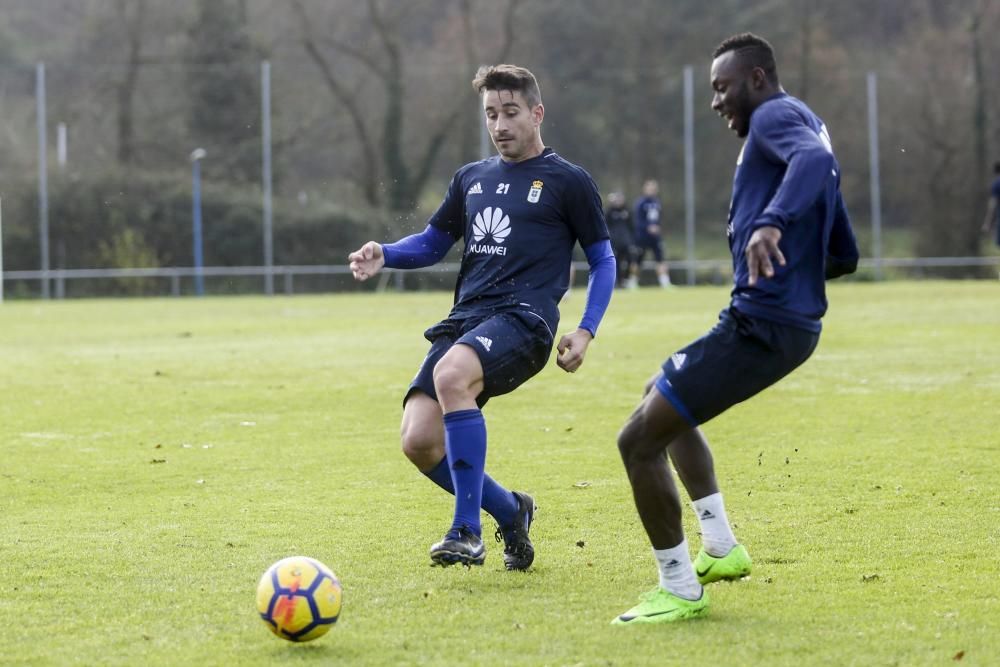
(299, 599)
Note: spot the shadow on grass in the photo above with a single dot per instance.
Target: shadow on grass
(325, 650)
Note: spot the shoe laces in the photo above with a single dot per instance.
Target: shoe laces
(515, 545)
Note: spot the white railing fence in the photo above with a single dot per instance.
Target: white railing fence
(710, 270)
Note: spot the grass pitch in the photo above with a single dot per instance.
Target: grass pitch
(159, 455)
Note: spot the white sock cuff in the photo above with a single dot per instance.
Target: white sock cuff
(676, 572)
(712, 504)
(679, 552)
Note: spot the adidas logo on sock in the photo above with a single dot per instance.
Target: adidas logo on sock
(678, 358)
(485, 342)
(673, 563)
(707, 514)
(476, 189)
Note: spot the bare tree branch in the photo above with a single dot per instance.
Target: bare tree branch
(436, 142)
(357, 54)
(125, 89)
(339, 91)
(389, 40)
(508, 31)
(471, 55)
(401, 194)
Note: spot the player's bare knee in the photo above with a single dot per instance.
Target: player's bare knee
(411, 442)
(629, 441)
(419, 446)
(421, 434)
(450, 383)
(636, 443)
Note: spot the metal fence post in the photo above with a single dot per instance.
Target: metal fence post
(43, 178)
(265, 112)
(876, 184)
(199, 279)
(689, 218)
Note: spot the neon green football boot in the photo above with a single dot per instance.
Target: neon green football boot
(733, 565)
(660, 606)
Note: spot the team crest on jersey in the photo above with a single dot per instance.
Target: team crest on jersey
(535, 193)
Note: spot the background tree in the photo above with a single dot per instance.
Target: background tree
(373, 111)
(390, 177)
(223, 80)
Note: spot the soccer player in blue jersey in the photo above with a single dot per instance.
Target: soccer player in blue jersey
(788, 232)
(519, 215)
(993, 205)
(649, 234)
(619, 220)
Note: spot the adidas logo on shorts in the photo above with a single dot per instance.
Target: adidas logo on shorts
(678, 359)
(485, 342)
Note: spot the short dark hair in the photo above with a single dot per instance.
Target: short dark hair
(508, 77)
(753, 51)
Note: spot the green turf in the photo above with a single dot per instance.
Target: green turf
(159, 455)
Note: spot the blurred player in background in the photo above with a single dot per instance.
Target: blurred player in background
(619, 221)
(788, 232)
(649, 234)
(993, 205)
(519, 214)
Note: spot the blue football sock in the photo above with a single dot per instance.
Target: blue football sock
(465, 444)
(497, 501)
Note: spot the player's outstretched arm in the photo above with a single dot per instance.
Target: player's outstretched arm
(573, 346)
(412, 252)
(761, 249)
(366, 261)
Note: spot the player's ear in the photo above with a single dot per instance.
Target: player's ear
(538, 113)
(758, 78)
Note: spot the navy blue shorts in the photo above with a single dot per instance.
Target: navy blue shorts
(512, 347)
(645, 244)
(740, 357)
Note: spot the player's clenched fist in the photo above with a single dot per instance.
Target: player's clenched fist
(572, 348)
(366, 261)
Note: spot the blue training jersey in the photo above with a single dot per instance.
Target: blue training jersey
(787, 177)
(995, 191)
(647, 212)
(520, 222)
